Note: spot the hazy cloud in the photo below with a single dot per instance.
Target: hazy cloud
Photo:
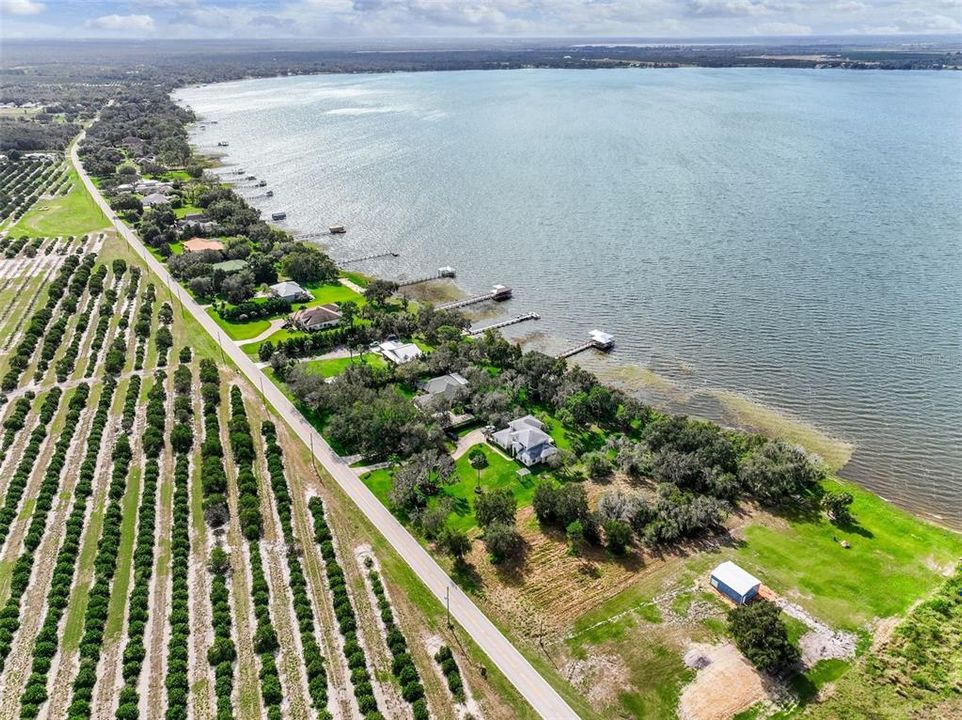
(21, 7)
(479, 18)
(125, 23)
(782, 28)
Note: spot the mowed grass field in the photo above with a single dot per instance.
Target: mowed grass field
(335, 366)
(75, 214)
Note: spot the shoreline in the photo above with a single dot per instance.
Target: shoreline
(738, 409)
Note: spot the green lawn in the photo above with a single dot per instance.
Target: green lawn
(331, 293)
(185, 210)
(239, 331)
(75, 213)
(500, 473)
(357, 278)
(330, 368)
(275, 337)
(892, 561)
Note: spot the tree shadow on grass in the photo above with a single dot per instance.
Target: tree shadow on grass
(511, 570)
(852, 525)
(467, 577)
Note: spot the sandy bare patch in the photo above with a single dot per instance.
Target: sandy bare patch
(820, 642)
(726, 684)
(600, 678)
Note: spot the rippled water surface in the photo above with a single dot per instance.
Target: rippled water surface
(792, 236)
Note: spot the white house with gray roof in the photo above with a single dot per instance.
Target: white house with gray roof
(399, 353)
(526, 441)
(448, 385)
(290, 291)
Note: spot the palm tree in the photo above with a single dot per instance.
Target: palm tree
(478, 461)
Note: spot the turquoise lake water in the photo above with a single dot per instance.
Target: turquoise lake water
(793, 236)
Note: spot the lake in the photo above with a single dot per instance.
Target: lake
(762, 243)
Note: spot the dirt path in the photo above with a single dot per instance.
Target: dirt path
(15, 451)
(14, 541)
(370, 636)
(49, 377)
(64, 664)
(352, 285)
(150, 686)
(24, 310)
(110, 668)
(375, 629)
(341, 702)
(200, 681)
(83, 352)
(34, 601)
(274, 550)
(247, 695)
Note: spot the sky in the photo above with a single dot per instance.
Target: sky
(212, 19)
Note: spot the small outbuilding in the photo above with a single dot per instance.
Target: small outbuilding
(733, 582)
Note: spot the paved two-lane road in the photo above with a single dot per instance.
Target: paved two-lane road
(542, 697)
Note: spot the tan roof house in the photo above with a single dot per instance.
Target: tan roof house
(317, 318)
(199, 244)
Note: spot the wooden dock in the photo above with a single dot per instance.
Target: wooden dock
(599, 340)
(443, 272)
(575, 350)
(498, 293)
(373, 256)
(504, 323)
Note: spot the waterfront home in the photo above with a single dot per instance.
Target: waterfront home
(736, 584)
(199, 244)
(145, 187)
(450, 386)
(290, 291)
(317, 318)
(526, 441)
(154, 199)
(399, 353)
(192, 218)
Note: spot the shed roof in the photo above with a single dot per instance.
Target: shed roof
(741, 581)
